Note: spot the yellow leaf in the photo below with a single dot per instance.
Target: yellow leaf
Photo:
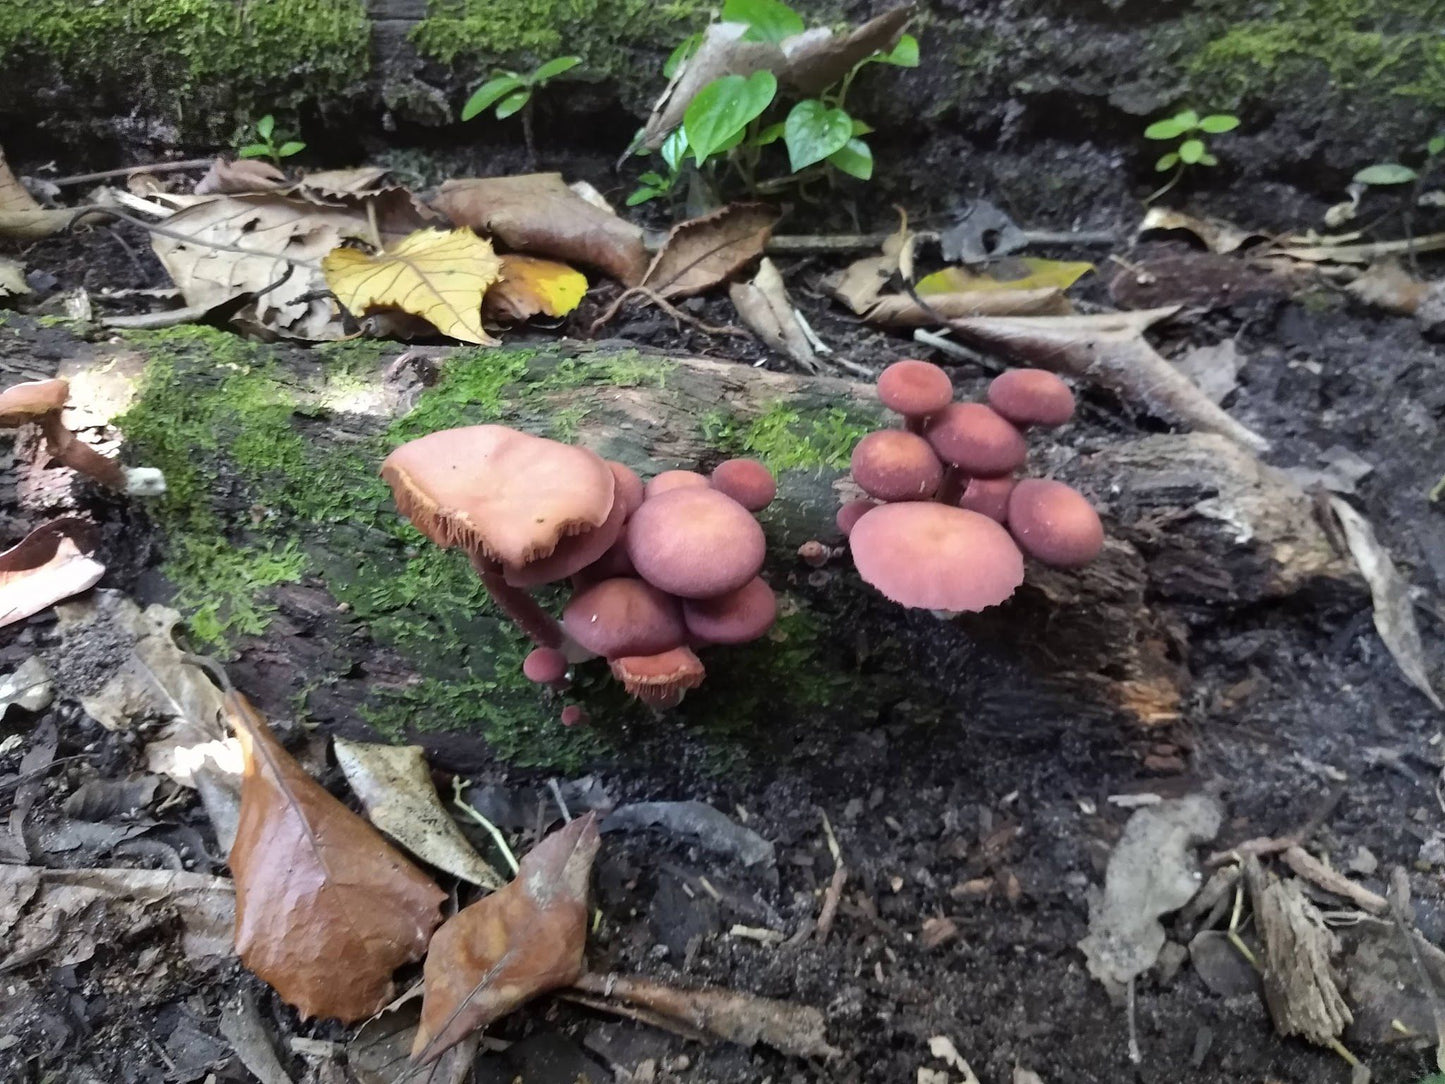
(439, 275)
(530, 286)
(1042, 274)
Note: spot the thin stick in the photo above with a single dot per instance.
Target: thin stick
(1131, 1011)
(458, 787)
(561, 804)
(165, 318)
(812, 244)
(667, 307)
(154, 167)
(1313, 870)
(834, 892)
(954, 350)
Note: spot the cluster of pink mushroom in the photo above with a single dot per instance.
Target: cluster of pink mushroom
(947, 521)
(657, 571)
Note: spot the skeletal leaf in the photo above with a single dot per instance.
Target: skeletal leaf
(21, 218)
(394, 783)
(508, 947)
(50, 564)
(326, 909)
(705, 252)
(531, 286)
(1394, 613)
(439, 275)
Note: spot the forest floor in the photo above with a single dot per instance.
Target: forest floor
(972, 848)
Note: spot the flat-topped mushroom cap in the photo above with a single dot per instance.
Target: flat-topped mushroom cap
(935, 557)
(989, 496)
(914, 388)
(669, 480)
(1054, 523)
(505, 495)
(33, 399)
(746, 481)
(977, 440)
(660, 680)
(695, 543)
(572, 554)
(1031, 397)
(894, 465)
(734, 618)
(629, 487)
(624, 616)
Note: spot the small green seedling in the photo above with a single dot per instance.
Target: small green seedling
(1384, 174)
(266, 146)
(1192, 131)
(511, 92)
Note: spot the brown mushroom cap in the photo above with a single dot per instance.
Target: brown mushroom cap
(669, 480)
(1031, 397)
(629, 489)
(977, 440)
(572, 554)
(1054, 523)
(894, 465)
(31, 400)
(624, 616)
(545, 665)
(660, 680)
(935, 557)
(851, 513)
(989, 496)
(695, 543)
(614, 562)
(914, 388)
(734, 618)
(574, 715)
(746, 481)
(505, 495)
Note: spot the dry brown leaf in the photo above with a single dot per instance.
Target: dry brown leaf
(766, 308)
(1387, 285)
(439, 275)
(326, 909)
(228, 177)
(859, 284)
(510, 946)
(1110, 351)
(819, 58)
(21, 218)
(900, 310)
(50, 564)
(12, 277)
(530, 287)
(705, 252)
(343, 182)
(538, 215)
(1214, 234)
(1328, 250)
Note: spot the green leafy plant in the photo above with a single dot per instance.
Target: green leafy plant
(1192, 132)
(266, 145)
(511, 92)
(1385, 174)
(729, 120)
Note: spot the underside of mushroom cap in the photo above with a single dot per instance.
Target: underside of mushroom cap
(573, 553)
(659, 680)
(933, 556)
(505, 495)
(33, 399)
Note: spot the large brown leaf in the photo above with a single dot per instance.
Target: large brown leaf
(508, 947)
(705, 252)
(51, 563)
(326, 909)
(538, 215)
(21, 218)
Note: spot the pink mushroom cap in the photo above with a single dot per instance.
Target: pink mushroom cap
(1054, 523)
(746, 481)
(894, 465)
(669, 480)
(545, 666)
(933, 556)
(695, 543)
(734, 618)
(914, 388)
(851, 513)
(574, 715)
(629, 490)
(989, 496)
(624, 616)
(977, 440)
(1031, 397)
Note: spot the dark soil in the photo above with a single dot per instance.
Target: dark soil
(1001, 830)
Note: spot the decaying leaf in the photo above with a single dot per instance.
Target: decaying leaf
(861, 282)
(21, 218)
(1394, 613)
(343, 182)
(818, 58)
(510, 946)
(531, 286)
(1035, 274)
(228, 177)
(1109, 350)
(1336, 250)
(766, 308)
(538, 215)
(980, 231)
(12, 278)
(745, 1019)
(326, 909)
(1151, 873)
(1387, 285)
(438, 275)
(900, 310)
(1203, 279)
(50, 564)
(705, 252)
(1214, 234)
(394, 784)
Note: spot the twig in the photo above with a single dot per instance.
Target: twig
(834, 892)
(631, 1012)
(458, 786)
(954, 350)
(667, 307)
(1132, 1013)
(561, 804)
(823, 244)
(1263, 846)
(1316, 872)
(165, 318)
(154, 167)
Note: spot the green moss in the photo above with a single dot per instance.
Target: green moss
(199, 55)
(787, 437)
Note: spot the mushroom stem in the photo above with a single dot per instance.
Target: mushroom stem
(953, 484)
(73, 452)
(521, 607)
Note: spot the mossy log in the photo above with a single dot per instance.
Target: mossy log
(284, 551)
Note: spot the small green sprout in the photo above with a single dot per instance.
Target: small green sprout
(266, 146)
(511, 92)
(1192, 131)
(1384, 174)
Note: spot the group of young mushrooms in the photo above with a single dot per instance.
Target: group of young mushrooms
(658, 571)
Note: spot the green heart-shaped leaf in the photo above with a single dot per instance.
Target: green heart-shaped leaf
(724, 108)
(813, 132)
